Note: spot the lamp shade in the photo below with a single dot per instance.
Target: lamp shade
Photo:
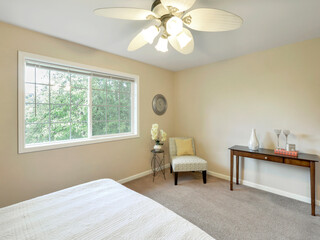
(150, 33)
(183, 43)
(174, 26)
(162, 45)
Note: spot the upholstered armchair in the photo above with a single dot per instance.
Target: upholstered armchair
(186, 163)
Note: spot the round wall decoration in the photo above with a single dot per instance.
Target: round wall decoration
(159, 104)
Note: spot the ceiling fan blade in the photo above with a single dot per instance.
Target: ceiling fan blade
(137, 42)
(189, 43)
(180, 5)
(212, 20)
(125, 13)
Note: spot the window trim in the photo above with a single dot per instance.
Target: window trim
(22, 148)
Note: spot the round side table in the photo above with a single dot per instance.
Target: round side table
(158, 163)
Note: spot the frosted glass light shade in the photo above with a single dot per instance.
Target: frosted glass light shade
(150, 33)
(188, 48)
(181, 5)
(174, 26)
(183, 39)
(162, 45)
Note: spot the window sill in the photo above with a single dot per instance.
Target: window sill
(77, 142)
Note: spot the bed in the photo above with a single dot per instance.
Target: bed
(102, 209)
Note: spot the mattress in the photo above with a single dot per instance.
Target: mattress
(102, 209)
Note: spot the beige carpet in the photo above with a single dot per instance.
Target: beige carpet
(245, 213)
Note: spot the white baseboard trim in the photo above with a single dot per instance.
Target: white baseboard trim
(265, 188)
(139, 175)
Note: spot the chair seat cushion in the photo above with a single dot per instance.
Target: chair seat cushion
(188, 163)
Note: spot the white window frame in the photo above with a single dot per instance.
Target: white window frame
(23, 148)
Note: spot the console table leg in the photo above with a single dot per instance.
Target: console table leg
(231, 170)
(313, 192)
(237, 166)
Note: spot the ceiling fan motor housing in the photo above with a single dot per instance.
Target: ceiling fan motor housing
(159, 9)
(165, 15)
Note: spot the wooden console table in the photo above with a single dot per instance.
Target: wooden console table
(303, 160)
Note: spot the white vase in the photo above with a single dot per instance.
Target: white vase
(157, 147)
(253, 142)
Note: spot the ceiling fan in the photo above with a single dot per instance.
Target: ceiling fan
(167, 19)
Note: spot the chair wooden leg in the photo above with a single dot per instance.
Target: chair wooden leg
(175, 178)
(170, 168)
(204, 176)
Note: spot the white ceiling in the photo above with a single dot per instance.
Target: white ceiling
(267, 24)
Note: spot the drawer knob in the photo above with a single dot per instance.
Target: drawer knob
(265, 157)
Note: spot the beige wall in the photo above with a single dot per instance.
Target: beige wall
(24, 176)
(279, 88)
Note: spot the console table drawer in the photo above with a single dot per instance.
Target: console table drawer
(297, 162)
(260, 156)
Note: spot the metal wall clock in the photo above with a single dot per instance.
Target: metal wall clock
(159, 104)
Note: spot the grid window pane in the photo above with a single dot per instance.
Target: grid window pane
(79, 113)
(113, 127)
(124, 86)
(30, 74)
(113, 98)
(60, 131)
(99, 97)
(59, 95)
(79, 81)
(42, 76)
(42, 94)
(79, 96)
(125, 127)
(79, 130)
(99, 113)
(36, 133)
(113, 113)
(60, 79)
(125, 113)
(29, 113)
(99, 128)
(38, 113)
(60, 113)
(29, 93)
(112, 85)
(124, 99)
(99, 83)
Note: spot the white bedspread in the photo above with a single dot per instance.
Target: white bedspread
(102, 209)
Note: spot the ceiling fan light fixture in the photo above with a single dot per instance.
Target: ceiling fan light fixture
(150, 33)
(166, 22)
(183, 39)
(174, 26)
(162, 45)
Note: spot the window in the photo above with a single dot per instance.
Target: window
(65, 104)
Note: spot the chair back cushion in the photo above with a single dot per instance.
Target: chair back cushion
(173, 147)
(184, 147)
